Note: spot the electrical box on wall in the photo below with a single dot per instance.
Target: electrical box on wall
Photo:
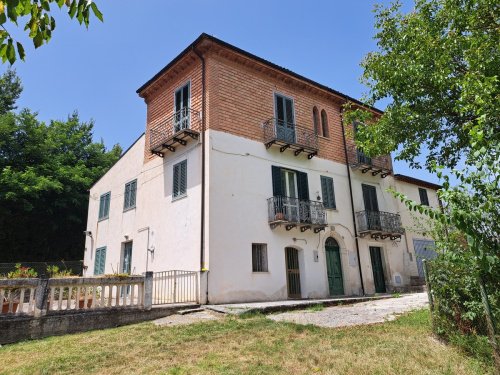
(316, 256)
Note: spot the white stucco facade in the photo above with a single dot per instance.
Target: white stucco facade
(238, 184)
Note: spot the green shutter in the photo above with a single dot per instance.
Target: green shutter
(328, 192)
(126, 201)
(303, 186)
(100, 261)
(276, 175)
(104, 205)
(179, 185)
(133, 191)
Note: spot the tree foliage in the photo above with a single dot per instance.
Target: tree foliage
(10, 90)
(45, 173)
(39, 22)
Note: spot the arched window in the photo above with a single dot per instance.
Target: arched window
(330, 241)
(316, 121)
(324, 123)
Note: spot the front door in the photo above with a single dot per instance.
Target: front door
(290, 191)
(127, 258)
(334, 267)
(182, 97)
(292, 272)
(371, 207)
(378, 270)
(285, 122)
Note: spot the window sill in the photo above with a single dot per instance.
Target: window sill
(179, 198)
(323, 137)
(261, 272)
(103, 219)
(332, 209)
(129, 209)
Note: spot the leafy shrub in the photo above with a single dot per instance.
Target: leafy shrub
(55, 272)
(21, 272)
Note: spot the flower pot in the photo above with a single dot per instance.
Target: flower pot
(81, 303)
(280, 216)
(5, 307)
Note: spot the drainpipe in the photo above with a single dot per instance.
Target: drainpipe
(352, 202)
(203, 126)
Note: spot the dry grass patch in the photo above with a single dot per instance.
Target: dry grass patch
(254, 345)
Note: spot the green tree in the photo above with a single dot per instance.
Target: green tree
(45, 173)
(39, 22)
(440, 67)
(10, 90)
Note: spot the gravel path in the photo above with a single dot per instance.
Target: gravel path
(376, 311)
(177, 319)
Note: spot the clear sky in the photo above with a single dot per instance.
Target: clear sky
(97, 71)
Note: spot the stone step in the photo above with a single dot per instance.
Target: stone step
(190, 311)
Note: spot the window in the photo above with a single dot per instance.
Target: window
(424, 199)
(328, 192)
(259, 257)
(130, 193)
(324, 123)
(181, 99)
(316, 120)
(180, 180)
(104, 206)
(100, 260)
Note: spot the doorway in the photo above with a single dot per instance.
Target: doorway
(127, 258)
(378, 269)
(292, 272)
(334, 267)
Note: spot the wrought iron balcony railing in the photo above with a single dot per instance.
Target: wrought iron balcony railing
(294, 212)
(377, 165)
(380, 224)
(289, 135)
(173, 130)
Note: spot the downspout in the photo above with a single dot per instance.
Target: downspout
(203, 126)
(352, 202)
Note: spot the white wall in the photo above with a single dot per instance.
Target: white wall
(174, 225)
(240, 184)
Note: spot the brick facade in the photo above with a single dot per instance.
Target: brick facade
(240, 97)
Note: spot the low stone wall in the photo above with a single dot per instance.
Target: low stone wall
(18, 328)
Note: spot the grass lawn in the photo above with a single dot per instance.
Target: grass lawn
(254, 345)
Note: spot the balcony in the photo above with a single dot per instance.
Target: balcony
(377, 165)
(292, 212)
(173, 131)
(379, 224)
(290, 136)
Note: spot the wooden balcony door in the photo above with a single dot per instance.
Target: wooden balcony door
(285, 121)
(182, 99)
(371, 207)
(290, 190)
(378, 269)
(292, 272)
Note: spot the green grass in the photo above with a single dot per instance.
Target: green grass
(315, 308)
(255, 345)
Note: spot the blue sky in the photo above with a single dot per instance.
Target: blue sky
(97, 71)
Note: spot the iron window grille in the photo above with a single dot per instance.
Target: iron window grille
(259, 257)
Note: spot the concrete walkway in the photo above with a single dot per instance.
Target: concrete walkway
(374, 311)
(274, 306)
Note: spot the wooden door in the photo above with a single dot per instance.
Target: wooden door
(371, 207)
(285, 122)
(378, 270)
(292, 272)
(334, 267)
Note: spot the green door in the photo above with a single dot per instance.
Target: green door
(378, 271)
(334, 267)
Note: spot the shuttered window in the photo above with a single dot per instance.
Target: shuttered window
(180, 180)
(104, 206)
(129, 196)
(328, 192)
(100, 261)
(259, 257)
(424, 199)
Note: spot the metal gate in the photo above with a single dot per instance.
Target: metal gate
(292, 272)
(424, 249)
(175, 287)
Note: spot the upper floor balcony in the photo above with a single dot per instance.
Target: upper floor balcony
(173, 131)
(289, 135)
(294, 212)
(379, 224)
(376, 165)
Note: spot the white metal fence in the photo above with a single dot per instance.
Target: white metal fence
(175, 287)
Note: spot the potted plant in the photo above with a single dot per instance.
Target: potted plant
(280, 216)
(18, 273)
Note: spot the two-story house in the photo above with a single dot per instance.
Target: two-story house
(245, 173)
